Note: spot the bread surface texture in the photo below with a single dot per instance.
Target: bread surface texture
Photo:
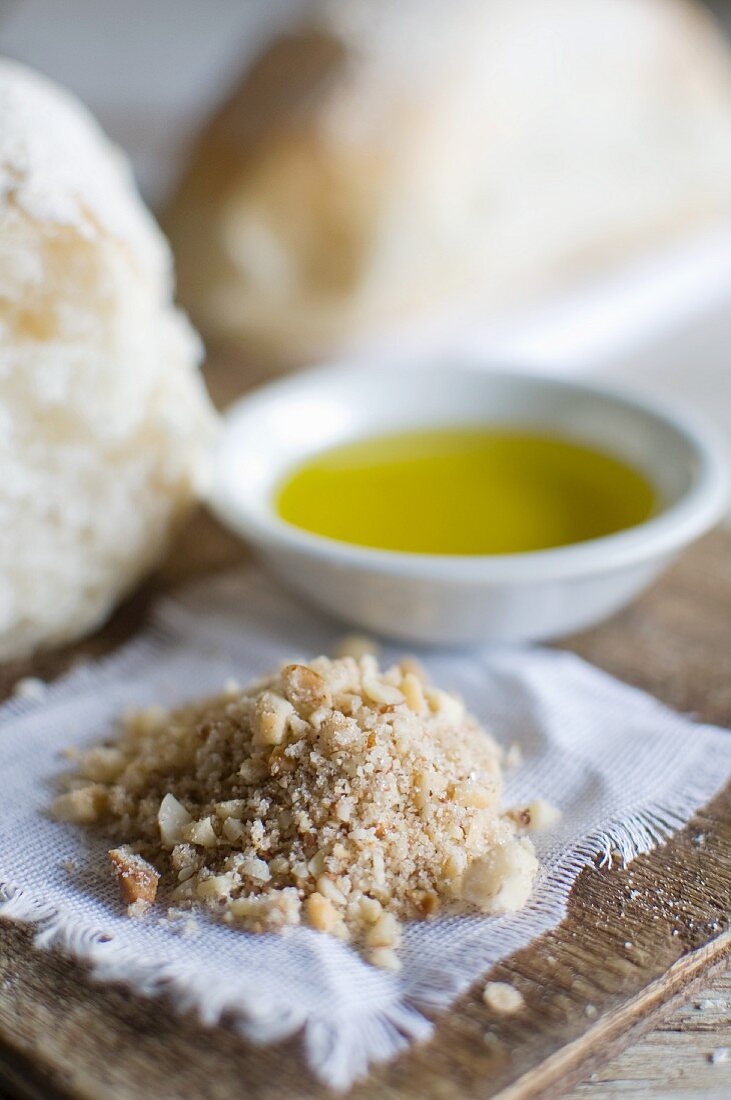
(105, 424)
(383, 159)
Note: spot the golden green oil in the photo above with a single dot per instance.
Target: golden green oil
(464, 491)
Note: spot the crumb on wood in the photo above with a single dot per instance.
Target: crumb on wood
(503, 998)
(493, 1044)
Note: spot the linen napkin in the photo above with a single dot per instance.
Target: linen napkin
(625, 771)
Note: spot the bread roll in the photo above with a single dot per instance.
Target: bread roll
(389, 158)
(104, 421)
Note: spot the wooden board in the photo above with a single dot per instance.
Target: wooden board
(683, 1057)
(634, 939)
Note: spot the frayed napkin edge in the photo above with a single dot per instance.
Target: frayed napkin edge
(340, 1055)
(337, 1054)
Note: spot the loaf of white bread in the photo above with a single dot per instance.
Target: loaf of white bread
(105, 424)
(386, 159)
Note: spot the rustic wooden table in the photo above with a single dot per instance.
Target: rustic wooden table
(635, 939)
(686, 1057)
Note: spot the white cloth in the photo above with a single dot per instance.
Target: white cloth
(625, 771)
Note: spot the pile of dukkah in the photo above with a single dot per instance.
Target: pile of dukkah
(331, 793)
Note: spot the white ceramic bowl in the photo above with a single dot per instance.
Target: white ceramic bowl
(463, 600)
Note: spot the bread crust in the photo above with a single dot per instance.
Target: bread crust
(105, 424)
(363, 174)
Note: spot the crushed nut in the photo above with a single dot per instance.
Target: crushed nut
(384, 933)
(442, 702)
(501, 880)
(172, 820)
(201, 832)
(377, 691)
(413, 692)
(101, 764)
(269, 721)
(305, 689)
(214, 887)
(320, 912)
(385, 958)
(83, 805)
(538, 814)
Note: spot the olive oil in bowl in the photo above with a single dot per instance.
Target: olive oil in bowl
(466, 491)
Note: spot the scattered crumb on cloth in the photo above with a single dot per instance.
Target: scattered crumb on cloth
(137, 879)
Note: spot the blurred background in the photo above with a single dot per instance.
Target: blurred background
(609, 288)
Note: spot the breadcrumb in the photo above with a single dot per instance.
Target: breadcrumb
(137, 880)
(330, 792)
(503, 998)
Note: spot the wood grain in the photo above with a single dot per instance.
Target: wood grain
(684, 1058)
(634, 938)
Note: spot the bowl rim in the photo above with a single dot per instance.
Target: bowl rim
(695, 512)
